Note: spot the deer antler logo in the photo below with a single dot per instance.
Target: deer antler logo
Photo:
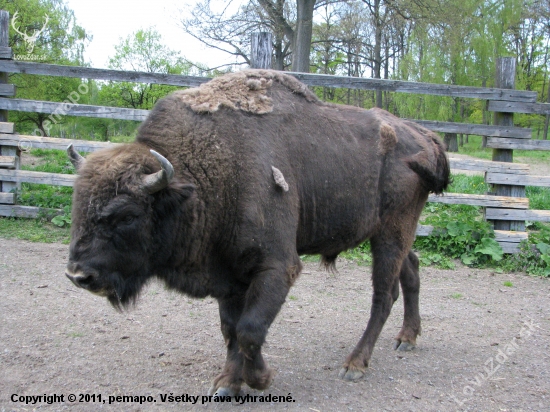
(29, 40)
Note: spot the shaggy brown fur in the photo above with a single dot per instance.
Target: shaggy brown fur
(246, 91)
(227, 227)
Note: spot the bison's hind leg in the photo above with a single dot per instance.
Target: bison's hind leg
(410, 284)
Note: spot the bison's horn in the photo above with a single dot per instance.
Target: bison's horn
(75, 157)
(157, 181)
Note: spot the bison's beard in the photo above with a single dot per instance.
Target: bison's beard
(126, 289)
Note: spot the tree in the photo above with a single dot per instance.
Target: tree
(290, 22)
(61, 41)
(142, 51)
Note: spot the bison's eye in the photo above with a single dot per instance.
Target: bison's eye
(128, 219)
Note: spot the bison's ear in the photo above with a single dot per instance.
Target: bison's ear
(184, 190)
(75, 157)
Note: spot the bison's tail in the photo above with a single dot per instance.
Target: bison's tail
(434, 169)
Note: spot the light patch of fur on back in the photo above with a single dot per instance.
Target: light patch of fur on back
(279, 179)
(245, 90)
(388, 139)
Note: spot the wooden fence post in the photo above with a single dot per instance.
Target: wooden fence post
(506, 79)
(261, 50)
(9, 155)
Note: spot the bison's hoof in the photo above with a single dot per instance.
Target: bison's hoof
(348, 374)
(221, 392)
(403, 346)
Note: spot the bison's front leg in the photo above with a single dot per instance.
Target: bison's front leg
(264, 298)
(228, 383)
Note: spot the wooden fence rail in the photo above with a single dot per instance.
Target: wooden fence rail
(325, 80)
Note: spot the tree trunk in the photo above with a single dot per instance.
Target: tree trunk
(302, 36)
(261, 50)
(547, 117)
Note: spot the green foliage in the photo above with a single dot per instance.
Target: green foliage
(361, 254)
(57, 197)
(534, 256)
(459, 232)
(63, 220)
(428, 258)
(142, 51)
(62, 41)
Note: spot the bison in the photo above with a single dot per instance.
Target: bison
(227, 184)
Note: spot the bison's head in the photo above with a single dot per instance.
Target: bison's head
(117, 227)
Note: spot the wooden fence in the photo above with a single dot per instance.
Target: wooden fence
(507, 211)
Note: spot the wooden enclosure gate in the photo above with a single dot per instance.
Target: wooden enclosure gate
(507, 208)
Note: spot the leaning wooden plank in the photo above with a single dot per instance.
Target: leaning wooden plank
(510, 236)
(509, 247)
(481, 200)
(7, 162)
(517, 214)
(518, 144)
(59, 109)
(7, 89)
(484, 93)
(26, 211)
(10, 152)
(519, 107)
(424, 230)
(517, 180)
(37, 142)
(6, 127)
(7, 198)
(488, 166)
(6, 52)
(55, 179)
(477, 129)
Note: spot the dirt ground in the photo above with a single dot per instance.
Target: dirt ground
(484, 347)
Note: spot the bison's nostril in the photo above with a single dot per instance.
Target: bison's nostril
(81, 280)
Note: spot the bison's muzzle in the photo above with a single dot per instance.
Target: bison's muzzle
(88, 281)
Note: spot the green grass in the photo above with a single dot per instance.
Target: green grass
(539, 197)
(122, 139)
(472, 185)
(34, 230)
(56, 197)
(51, 161)
(473, 148)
